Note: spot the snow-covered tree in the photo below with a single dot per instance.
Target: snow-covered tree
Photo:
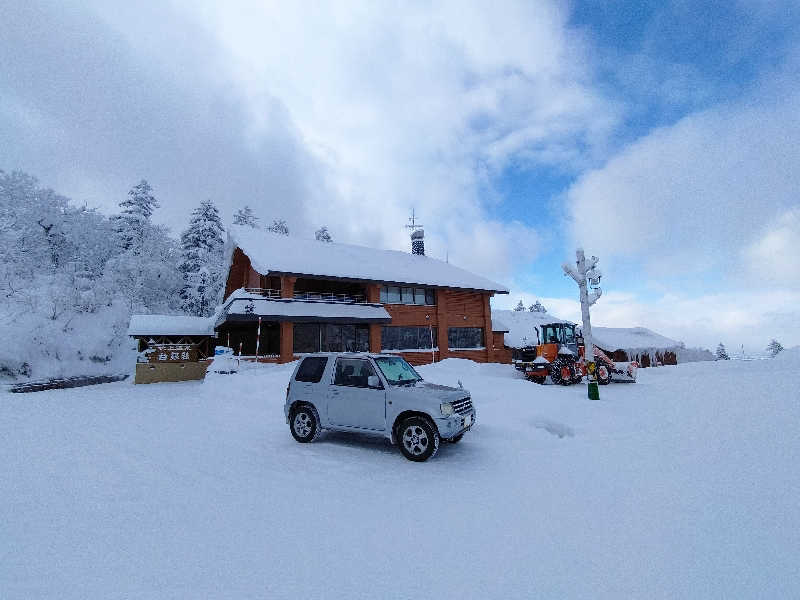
(245, 216)
(322, 235)
(537, 307)
(520, 306)
(279, 226)
(201, 260)
(722, 354)
(774, 348)
(134, 218)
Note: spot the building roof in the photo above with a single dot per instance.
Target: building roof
(243, 306)
(270, 252)
(631, 339)
(142, 325)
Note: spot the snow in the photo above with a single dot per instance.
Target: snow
(631, 338)
(170, 325)
(241, 302)
(683, 485)
(287, 254)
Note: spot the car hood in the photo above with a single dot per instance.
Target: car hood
(441, 393)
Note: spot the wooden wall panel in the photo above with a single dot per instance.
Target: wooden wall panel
(239, 272)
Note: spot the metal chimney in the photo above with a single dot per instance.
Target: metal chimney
(418, 242)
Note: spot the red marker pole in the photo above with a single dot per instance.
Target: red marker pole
(258, 338)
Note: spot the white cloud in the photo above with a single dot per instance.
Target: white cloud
(774, 258)
(686, 198)
(416, 106)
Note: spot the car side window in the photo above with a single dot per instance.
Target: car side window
(311, 369)
(353, 372)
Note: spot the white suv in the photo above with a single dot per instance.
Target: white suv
(375, 393)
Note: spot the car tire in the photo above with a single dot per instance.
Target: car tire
(418, 439)
(303, 423)
(456, 439)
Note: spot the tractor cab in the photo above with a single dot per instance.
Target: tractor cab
(556, 335)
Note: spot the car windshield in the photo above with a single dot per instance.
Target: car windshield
(397, 371)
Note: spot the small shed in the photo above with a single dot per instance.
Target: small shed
(172, 347)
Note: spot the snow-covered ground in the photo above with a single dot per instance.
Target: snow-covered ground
(683, 485)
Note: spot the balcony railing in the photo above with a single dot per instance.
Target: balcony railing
(312, 296)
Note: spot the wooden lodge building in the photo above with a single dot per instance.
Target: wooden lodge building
(312, 296)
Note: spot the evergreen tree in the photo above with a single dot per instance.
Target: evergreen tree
(279, 226)
(201, 260)
(245, 216)
(131, 223)
(537, 307)
(722, 354)
(520, 306)
(322, 235)
(774, 348)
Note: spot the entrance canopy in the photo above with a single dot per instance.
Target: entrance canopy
(247, 308)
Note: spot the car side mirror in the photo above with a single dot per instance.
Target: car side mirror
(373, 381)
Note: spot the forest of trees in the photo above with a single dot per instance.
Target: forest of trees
(70, 276)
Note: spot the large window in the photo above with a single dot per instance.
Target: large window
(407, 295)
(407, 338)
(329, 337)
(465, 338)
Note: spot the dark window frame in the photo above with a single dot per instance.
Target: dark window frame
(457, 338)
(407, 295)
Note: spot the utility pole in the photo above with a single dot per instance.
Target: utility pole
(587, 271)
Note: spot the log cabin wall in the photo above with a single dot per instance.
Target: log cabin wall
(239, 273)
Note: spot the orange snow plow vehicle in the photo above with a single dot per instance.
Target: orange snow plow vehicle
(559, 354)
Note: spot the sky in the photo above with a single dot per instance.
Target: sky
(659, 136)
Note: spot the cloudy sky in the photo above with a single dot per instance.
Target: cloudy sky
(661, 136)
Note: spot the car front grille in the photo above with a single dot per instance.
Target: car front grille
(462, 406)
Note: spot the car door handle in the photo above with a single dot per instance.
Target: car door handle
(334, 392)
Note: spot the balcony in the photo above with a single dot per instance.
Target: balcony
(312, 296)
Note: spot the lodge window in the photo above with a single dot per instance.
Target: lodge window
(465, 338)
(392, 294)
(329, 337)
(407, 338)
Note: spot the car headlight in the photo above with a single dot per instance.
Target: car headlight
(447, 409)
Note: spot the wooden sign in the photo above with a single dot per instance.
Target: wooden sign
(162, 353)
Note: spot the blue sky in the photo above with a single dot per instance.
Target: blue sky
(659, 135)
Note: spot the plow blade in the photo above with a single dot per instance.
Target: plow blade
(624, 372)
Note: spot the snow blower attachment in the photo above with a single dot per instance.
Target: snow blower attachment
(560, 355)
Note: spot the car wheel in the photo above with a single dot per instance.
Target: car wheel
(456, 439)
(418, 439)
(303, 424)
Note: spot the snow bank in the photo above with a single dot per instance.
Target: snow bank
(680, 486)
(287, 254)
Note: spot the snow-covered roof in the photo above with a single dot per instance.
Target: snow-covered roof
(631, 338)
(243, 305)
(170, 325)
(499, 326)
(521, 325)
(269, 252)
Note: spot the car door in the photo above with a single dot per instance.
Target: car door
(351, 402)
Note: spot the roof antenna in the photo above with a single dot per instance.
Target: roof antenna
(417, 235)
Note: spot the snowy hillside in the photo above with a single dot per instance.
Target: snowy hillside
(683, 485)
